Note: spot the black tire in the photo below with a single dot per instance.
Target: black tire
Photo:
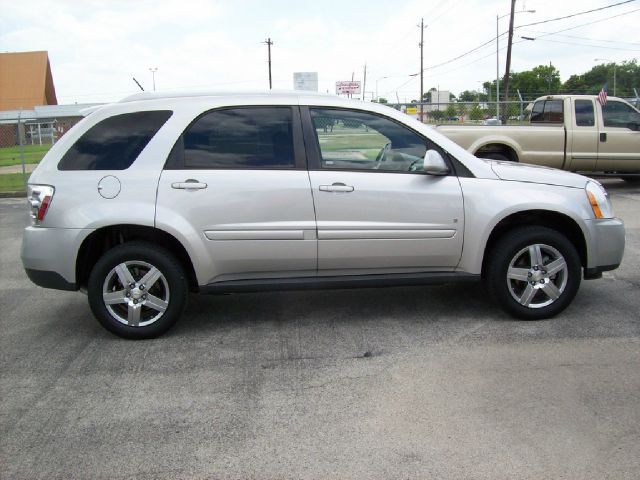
(523, 285)
(495, 156)
(159, 303)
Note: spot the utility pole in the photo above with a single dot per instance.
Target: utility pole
(268, 42)
(364, 81)
(421, 69)
(506, 74)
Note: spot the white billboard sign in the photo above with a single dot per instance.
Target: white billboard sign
(305, 81)
(348, 87)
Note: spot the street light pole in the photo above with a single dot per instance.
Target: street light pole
(377, 80)
(614, 71)
(421, 65)
(153, 71)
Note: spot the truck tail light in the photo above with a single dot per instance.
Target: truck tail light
(39, 197)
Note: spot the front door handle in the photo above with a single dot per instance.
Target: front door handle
(603, 137)
(189, 184)
(336, 187)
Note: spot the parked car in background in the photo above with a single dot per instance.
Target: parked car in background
(158, 195)
(569, 132)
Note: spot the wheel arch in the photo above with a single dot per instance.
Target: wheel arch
(105, 238)
(560, 222)
(499, 147)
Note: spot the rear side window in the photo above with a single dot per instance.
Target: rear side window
(115, 142)
(584, 113)
(547, 111)
(246, 137)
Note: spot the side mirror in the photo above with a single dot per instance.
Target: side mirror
(434, 164)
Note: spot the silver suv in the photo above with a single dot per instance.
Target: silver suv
(155, 196)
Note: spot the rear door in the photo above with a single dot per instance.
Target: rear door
(376, 210)
(236, 189)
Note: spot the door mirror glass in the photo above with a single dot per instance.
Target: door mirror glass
(434, 164)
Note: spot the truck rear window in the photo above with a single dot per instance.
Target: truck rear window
(115, 142)
(547, 111)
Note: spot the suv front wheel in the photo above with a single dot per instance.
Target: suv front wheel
(533, 272)
(137, 290)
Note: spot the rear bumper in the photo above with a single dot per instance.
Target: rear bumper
(606, 246)
(49, 255)
(46, 279)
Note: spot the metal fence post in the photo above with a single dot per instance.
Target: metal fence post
(21, 145)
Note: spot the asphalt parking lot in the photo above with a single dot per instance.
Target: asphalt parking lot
(413, 382)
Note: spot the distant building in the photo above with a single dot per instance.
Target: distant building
(26, 81)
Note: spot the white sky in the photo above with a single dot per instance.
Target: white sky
(97, 46)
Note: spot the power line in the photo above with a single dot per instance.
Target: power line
(588, 23)
(587, 45)
(576, 14)
(489, 42)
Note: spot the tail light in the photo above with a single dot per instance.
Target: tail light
(39, 197)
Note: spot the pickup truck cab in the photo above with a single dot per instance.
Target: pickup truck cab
(569, 132)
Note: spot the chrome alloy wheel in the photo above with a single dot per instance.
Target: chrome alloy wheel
(136, 293)
(537, 275)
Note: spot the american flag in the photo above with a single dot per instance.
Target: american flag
(602, 96)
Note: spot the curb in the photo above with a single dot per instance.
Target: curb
(21, 194)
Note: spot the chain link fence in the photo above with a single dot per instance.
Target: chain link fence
(23, 143)
(474, 113)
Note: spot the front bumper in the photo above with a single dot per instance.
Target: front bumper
(605, 245)
(49, 255)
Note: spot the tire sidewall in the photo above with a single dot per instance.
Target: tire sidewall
(503, 253)
(159, 258)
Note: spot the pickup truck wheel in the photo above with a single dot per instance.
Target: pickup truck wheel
(533, 272)
(137, 290)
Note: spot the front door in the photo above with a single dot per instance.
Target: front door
(376, 210)
(619, 140)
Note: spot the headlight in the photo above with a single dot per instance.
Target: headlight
(599, 200)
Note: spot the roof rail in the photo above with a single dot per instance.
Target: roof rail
(141, 96)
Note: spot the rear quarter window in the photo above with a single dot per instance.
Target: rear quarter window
(547, 111)
(115, 142)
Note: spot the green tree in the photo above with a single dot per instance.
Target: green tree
(541, 80)
(590, 83)
(450, 111)
(476, 112)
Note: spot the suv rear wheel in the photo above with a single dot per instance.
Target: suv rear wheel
(534, 272)
(137, 290)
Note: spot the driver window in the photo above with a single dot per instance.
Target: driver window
(354, 140)
(618, 114)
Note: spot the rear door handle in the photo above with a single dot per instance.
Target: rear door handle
(189, 184)
(336, 187)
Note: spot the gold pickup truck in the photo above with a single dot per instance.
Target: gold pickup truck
(569, 132)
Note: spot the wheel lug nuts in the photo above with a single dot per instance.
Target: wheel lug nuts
(529, 274)
(128, 295)
(132, 285)
(135, 302)
(141, 287)
(144, 297)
